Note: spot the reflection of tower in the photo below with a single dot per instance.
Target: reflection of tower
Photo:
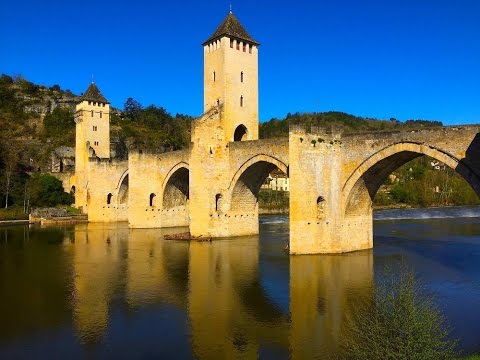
(150, 277)
(97, 264)
(323, 292)
(222, 326)
(231, 79)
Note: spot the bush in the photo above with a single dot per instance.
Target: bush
(13, 213)
(401, 322)
(46, 191)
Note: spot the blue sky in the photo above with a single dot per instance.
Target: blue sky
(408, 59)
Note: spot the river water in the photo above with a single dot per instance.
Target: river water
(111, 292)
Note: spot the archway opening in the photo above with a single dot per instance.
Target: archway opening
(176, 193)
(262, 186)
(123, 191)
(412, 179)
(240, 133)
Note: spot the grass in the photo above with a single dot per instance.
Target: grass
(12, 213)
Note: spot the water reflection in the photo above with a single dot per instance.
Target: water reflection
(229, 311)
(219, 285)
(323, 293)
(98, 264)
(109, 291)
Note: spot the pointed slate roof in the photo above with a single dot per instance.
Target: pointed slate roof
(93, 94)
(231, 27)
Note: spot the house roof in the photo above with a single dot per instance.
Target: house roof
(231, 27)
(93, 94)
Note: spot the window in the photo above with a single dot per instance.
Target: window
(91, 112)
(101, 114)
(214, 76)
(320, 207)
(241, 77)
(231, 43)
(95, 143)
(218, 198)
(241, 101)
(109, 199)
(94, 128)
(152, 199)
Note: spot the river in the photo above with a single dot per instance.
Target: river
(107, 291)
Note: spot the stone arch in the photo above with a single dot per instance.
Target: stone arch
(362, 185)
(176, 187)
(248, 179)
(241, 133)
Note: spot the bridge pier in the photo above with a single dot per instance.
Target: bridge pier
(318, 223)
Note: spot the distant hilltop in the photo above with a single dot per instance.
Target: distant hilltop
(39, 99)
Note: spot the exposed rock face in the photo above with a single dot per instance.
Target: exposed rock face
(47, 213)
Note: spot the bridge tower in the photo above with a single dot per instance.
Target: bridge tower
(92, 137)
(230, 114)
(231, 79)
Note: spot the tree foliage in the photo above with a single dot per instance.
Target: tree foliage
(401, 322)
(336, 121)
(46, 190)
(152, 127)
(419, 183)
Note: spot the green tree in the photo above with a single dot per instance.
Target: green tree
(401, 322)
(46, 190)
(131, 108)
(60, 126)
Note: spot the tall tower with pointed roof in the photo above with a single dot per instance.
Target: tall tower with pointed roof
(93, 122)
(92, 137)
(231, 79)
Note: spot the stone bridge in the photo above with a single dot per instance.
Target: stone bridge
(213, 186)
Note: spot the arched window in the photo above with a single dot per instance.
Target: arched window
(218, 198)
(320, 206)
(152, 199)
(241, 77)
(240, 133)
(241, 101)
(109, 198)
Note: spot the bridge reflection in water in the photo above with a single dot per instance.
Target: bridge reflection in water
(216, 298)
